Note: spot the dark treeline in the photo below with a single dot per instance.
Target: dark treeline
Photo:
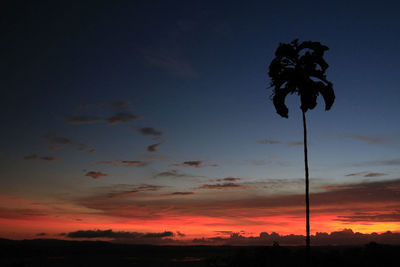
(54, 253)
(345, 237)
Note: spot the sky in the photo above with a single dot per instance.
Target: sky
(154, 118)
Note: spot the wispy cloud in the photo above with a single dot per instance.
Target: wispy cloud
(134, 163)
(222, 186)
(95, 175)
(295, 143)
(171, 173)
(54, 138)
(371, 217)
(132, 236)
(150, 131)
(122, 117)
(374, 174)
(125, 163)
(112, 120)
(226, 179)
(58, 141)
(115, 106)
(43, 158)
(336, 200)
(181, 193)
(268, 142)
(229, 179)
(367, 139)
(276, 142)
(82, 119)
(391, 162)
(132, 189)
(366, 174)
(154, 147)
(194, 164)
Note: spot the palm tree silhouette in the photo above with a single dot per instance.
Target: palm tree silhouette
(300, 68)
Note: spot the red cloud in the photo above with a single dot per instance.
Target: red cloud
(221, 186)
(194, 164)
(134, 163)
(95, 175)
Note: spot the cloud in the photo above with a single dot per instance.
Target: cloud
(221, 186)
(366, 174)
(224, 232)
(33, 157)
(158, 235)
(374, 174)
(113, 106)
(115, 119)
(153, 147)
(337, 238)
(355, 174)
(182, 193)
(392, 162)
(269, 142)
(150, 131)
(194, 164)
(118, 193)
(122, 117)
(275, 142)
(248, 207)
(134, 163)
(95, 175)
(371, 217)
(171, 173)
(180, 234)
(125, 163)
(296, 143)
(367, 139)
(57, 141)
(118, 235)
(54, 138)
(41, 234)
(228, 179)
(82, 119)
(104, 162)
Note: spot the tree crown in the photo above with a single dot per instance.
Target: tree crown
(300, 68)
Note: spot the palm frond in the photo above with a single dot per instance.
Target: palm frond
(300, 68)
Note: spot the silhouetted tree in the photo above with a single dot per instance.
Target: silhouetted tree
(300, 69)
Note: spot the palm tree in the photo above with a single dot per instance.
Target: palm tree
(300, 68)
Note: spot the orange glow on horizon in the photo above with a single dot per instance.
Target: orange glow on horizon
(25, 218)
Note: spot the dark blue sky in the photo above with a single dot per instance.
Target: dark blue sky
(80, 80)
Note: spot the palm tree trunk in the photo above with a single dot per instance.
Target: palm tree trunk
(307, 188)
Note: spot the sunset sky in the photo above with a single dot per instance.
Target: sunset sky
(155, 118)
